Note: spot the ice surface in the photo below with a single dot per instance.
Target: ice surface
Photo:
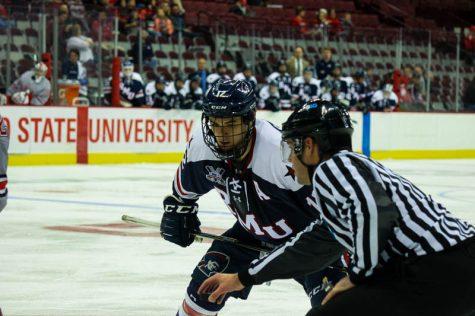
(61, 254)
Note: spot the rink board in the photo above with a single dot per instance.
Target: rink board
(68, 135)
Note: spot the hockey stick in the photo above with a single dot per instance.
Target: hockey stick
(199, 236)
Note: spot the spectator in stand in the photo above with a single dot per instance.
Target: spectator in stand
(323, 21)
(334, 23)
(469, 96)
(32, 88)
(403, 84)
(296, 64)
(221, 73)
(107, 29)
(346, 25)
(418, 85)
(163, 26)
(132, 22)
(177, 17)
(82, 43)
(72, 69)
(325, 65)
(148, 56)
(385, 99)
(262, 65)
(4, 18)
(246, 75)
(64, 27)
(284, 84)
(239, 8)
(165, 6)
(469, 44)
(299, 20)
(201, 72)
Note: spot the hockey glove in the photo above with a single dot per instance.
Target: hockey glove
(179, 221)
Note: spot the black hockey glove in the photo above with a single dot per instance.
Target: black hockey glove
(179, 221)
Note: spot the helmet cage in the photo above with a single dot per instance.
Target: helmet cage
(245, 133)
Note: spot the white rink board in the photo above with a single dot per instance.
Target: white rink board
(69, 273)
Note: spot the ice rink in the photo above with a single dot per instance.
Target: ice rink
(64, 250)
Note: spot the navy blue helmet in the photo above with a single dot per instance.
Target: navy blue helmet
(230, 103)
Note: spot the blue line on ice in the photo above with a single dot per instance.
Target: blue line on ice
(117, 205)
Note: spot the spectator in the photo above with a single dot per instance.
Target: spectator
(469, 44)
(107, 28)
(32, 88)
(346, 25)
(64, 27)
(299, 20)
(262, 65)
(325, 65)
(193, 94)
(323, 20)
(4, 18)
(132, 22)
(72, 69)
(284, 83)
(269, 97)
(418, 85)
(239, 8)
(247, 75)
(163, 26)
(334, 23)
(385, 99)
(402, 84)
(296, 64)
(148, 56)
(221, 73)
(201, 72)
(304, 88)
(165, 6)
(177, 17)
(469, 96)
(82, 43)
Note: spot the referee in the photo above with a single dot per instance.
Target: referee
(409, 255)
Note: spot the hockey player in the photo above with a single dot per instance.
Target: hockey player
(334, 88)
(176, 93)
(246, 75)
(193, 93)
(238, 156)
(269, 97)
(305, 88)
(159, 98)
(32, 88)
(361, 91)
(221, 73)
(406, 249)
(284, 80)
(385, 99)
(132, 90)
(4, 142)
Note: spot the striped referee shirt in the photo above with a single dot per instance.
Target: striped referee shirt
(374, 213)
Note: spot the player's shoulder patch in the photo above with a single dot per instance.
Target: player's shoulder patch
(197, 150)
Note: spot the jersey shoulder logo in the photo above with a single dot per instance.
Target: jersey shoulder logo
(215, 174)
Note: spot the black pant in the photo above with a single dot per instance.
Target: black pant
(439, 284)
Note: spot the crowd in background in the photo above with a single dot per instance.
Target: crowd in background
(288, 83)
